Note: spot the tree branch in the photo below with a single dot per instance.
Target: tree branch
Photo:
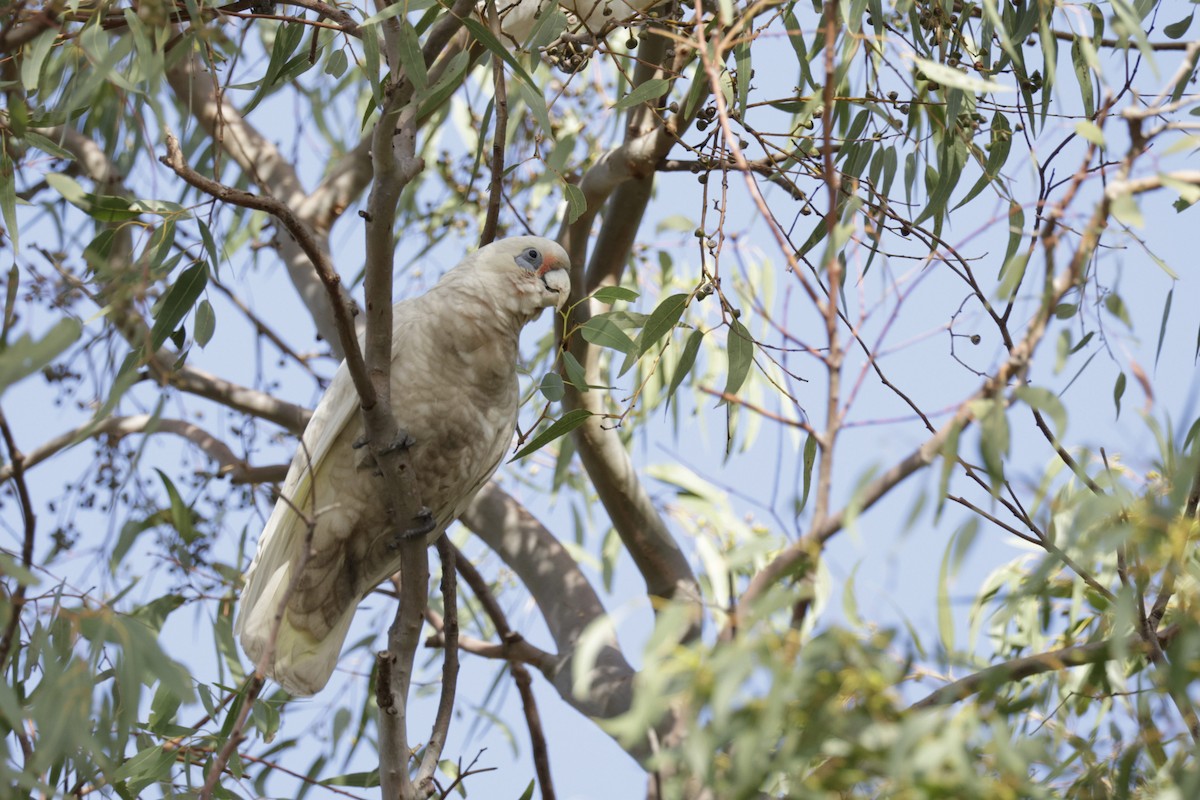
(1018, 669)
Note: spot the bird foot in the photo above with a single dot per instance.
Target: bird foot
(402, 442)
(424, 524)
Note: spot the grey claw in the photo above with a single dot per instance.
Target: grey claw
(424, 525)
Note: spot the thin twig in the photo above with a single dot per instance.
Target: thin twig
(533, 720)
(499, 135)
(17, 599)
(441, 723)
(1028, 666)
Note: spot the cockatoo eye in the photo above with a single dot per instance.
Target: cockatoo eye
(530, 258)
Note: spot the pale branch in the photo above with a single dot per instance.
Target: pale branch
(395, 670)
(1151, 182)
(338, 15)
(568, 603)
(1018, 669)
(253, 402)
(18, 32)
(262, 163)
(118, 427)
(445, 711)
(620, 181)
(517, 651)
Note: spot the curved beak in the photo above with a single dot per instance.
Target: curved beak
(551, 263)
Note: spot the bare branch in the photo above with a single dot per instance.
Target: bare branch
(441, 724)
(230, 465)
(16, 600)
(1020, 668)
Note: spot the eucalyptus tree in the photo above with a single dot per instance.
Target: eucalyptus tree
(843, 274)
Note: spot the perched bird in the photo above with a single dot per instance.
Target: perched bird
(454, 392)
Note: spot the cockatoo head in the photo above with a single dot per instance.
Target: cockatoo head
(537, 268)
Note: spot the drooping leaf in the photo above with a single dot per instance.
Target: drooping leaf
(552, 387)
(650, 90)
(686, 360)
(177, 302)
(740, 349)
(810, 458)
(560, 427)
(602, 331)
(205, 323)
(611, 294)
(25, 356)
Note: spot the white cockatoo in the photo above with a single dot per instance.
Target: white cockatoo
(454, 392)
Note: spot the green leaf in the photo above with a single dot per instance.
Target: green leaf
(1118, 393)
(411, 57)
(945, 615)
(575, 372)
(287, 38)
(576, 202)
(662, 321)
(181, 514)
(1176, 30)
(1162, 326)
(1046, 401)
(1116, 307)
(205, 323)
(998, 150)
(1011, 276)
(337, 63)
(177, 303)
(24, 357)
(611, 294)
(810, 458)
(1081, 49)
(994, 439)
(8, 194)
(552, 387)
(130, 532)
(740, 348)
(560, 427)
(361, 780)
(949, 76)
(650, 90)
(1126, 210)
(600, 330)
(485, 38)
(1090, 131)
(686, 360)
(949, 454)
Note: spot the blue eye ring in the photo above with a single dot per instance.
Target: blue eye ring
(530, 258)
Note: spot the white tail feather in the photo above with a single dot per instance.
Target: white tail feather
(300, 662)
